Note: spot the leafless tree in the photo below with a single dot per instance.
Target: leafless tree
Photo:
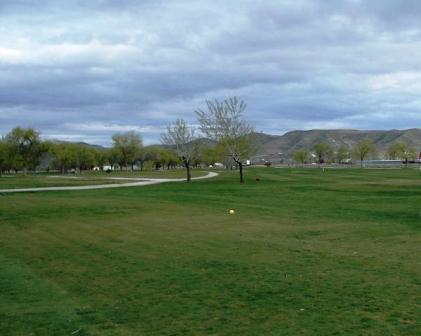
(181, 137)
(223, 122)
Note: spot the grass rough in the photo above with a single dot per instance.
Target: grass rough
(308, 252)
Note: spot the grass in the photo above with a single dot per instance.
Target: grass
(86, 178)
(307, 253)
(162, 173)
(34, 181)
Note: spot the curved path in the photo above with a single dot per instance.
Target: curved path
(139, 182)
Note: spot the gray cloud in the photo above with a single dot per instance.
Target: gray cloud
(85, 69)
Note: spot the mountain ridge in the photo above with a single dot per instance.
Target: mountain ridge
(283, 145)
(275, 146)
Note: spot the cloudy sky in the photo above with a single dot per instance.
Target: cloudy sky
(84, 69)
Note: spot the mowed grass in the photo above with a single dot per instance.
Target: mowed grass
(307, 253)
(36, 181)
(161, 173)
(86, 178)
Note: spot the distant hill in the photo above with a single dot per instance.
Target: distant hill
(79, 143)
(201, 142)
(277, 146)
(91, 145)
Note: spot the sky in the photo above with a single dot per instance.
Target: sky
(82, 70)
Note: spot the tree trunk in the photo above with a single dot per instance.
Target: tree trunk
(240, 165)
(187, 165)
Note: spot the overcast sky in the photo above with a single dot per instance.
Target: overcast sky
(84, 69)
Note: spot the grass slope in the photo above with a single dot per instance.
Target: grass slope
(307, 253)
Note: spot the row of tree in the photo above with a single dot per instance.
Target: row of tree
(222, 121)
(324, 153)
(23, 150)
(68, 156)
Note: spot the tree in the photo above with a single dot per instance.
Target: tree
(142, 157)
(301, 156)
(211, 155)
(342, 154)
(85, 157)
(101, 158)
(64, 156)
(393, 151)
(323, 152)
(402, 151)
(169, 158)
(153, 155)
(181, 136)
(362, 149)
(223, 122)
(26, 146)
(4, 155)
(410, 154)
(330, 155)
(73, 156)
(128, 145)
(113, 156)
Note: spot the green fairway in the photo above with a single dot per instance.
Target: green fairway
(35, 181)
(162, 173)
(308, 252)
(86, 178)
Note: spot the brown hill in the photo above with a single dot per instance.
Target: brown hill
(274, 147)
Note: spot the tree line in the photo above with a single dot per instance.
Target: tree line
(222, 122)
(361, 151)
(22, 149)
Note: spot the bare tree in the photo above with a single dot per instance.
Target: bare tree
(181, 136)
(223, 122)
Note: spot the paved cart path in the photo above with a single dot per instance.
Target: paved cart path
(141, 181)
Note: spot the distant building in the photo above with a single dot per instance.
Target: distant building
(103, 168)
